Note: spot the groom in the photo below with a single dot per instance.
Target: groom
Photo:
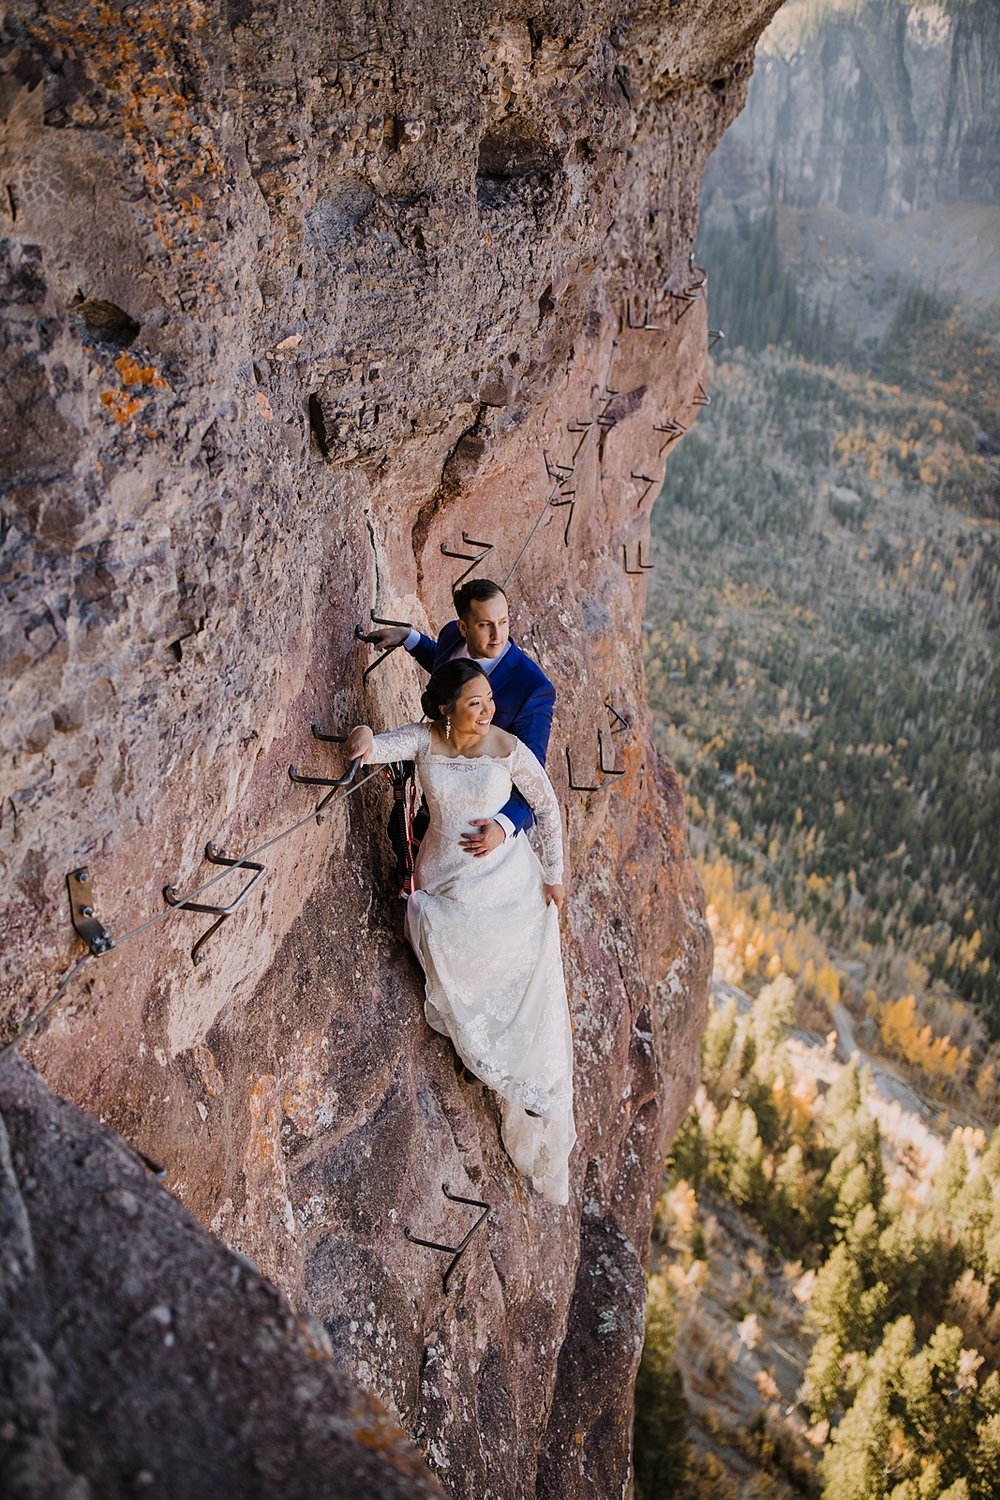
(524, 697)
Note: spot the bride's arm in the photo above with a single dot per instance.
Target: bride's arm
(396, 744)
(528, 775)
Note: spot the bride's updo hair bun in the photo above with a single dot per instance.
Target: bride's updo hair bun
(439, 696)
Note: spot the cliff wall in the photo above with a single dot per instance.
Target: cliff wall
(295, 298)
(883, 107)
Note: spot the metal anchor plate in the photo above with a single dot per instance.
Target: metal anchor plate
(89, 926)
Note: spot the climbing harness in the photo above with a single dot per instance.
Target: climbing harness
(402, 778)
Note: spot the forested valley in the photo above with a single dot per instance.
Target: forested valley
(823, 671)
(823, 666)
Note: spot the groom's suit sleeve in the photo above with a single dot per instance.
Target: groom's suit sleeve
(428, 652)
(422, 648)
(533, 724)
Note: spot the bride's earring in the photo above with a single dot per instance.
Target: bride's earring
(447, 729)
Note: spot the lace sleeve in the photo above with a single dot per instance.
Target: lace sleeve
(400, 744)
(528, 775)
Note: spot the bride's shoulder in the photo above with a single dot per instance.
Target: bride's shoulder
(503, 743)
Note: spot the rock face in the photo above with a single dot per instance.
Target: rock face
(890, 109)
(295, 299)
(100, 1267)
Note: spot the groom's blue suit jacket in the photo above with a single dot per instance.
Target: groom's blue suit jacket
(522, 694)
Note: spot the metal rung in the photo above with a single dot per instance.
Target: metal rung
(560, 472)
(361, 634)
(455, 1251)
(172, 895)
(646, 482)
(645, 326)
(472, 558)
(569, 500)
(333, 782)
(698, 272)
(605, 770)
(621, 724)
(644, 567)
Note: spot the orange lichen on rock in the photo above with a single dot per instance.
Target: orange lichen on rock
(122, 407)
(133, 373)
(208, 1071)
(264, 1145)
(310, 1102)
(141, 59)
(125, 404)
(268, 1205)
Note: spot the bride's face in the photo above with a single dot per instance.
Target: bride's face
(473, 711)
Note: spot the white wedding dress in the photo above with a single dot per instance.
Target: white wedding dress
(489, 945)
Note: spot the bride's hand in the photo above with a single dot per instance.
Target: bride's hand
(360, 743)
(556, 894)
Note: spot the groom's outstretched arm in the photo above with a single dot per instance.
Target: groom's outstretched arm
(533, 724)
(422, 648)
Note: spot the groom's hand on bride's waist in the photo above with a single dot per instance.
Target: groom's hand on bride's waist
(486, 836)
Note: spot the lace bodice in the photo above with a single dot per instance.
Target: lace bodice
(459, 788)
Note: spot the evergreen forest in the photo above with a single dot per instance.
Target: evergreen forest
(823, 671)
(822, 651)
(862, 1257)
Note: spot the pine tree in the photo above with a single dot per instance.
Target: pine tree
(953, 1174)
(724, 1143)
(833, 1309)
(842, 1104)
(789, 1180)
(984, 1463)
(661, 1452)
(861, 1234)
(975, 1217)
(771, 1017)
(821, 1384)
(718, 1037)
(854, 1196)
(746, 1174)
(863, 1458)
(691, 1152)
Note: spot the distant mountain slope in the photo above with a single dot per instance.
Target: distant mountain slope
(873, 106)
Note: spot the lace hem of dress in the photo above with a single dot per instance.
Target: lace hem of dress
(548, 1103)
(531, 1093)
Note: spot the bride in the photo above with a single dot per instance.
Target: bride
(485, 928)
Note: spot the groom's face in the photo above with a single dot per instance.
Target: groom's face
(487, 627)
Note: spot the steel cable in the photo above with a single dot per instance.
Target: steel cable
(34, 1022)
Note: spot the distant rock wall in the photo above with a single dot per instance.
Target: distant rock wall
(295, 297)
(885, 108)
